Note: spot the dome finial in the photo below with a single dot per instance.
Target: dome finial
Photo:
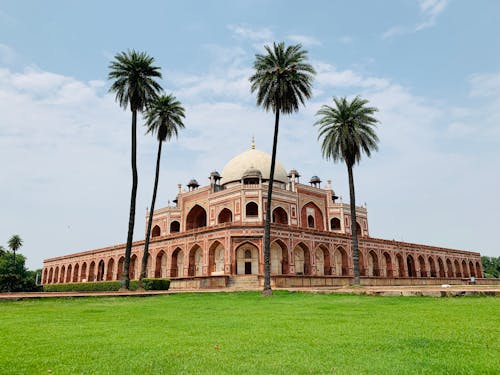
(253, 143)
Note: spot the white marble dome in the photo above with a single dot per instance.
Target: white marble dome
(252, 160)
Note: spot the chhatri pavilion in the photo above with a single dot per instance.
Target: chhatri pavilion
(214, 236)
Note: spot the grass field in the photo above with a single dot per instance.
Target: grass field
(244, 333)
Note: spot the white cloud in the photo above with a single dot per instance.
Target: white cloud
(305, 40)
(246, 32)
(429, 12)
(328, 75)
(485, 84)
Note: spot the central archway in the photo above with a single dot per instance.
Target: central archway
(196, 218)
(195, 261)
(341, 263)
(279, 258)
(322, 257)
(216, 259)
(177, 263)
(161, 264)
(302, 259)
(280, 216)
(247, 259)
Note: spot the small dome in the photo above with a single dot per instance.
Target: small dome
(314, 179)
(193, 182)
(215, 174)
(293, 172)
(254, 159)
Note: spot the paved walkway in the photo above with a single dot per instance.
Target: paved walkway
(432, 291)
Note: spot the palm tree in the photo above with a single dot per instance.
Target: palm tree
(164, 117)
(348, 131)
(283, 81)
(133, 74)
(15, 242)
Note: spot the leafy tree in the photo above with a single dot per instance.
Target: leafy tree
(14, 277)
(283, 81)
(164, 118)
(491, 266)
(2, 251)
(15, 242)
(133, 77)
(348, 130)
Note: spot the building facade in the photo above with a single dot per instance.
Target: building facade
(214, 233)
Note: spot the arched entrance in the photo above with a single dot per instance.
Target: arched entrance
(449, 268)
(465, 271)
(373, 266)
(225, 216)
(111, 269)
(279, 258)
(410, 264)
(161, 264)
(280, 216)
(458, 272)
(247, 259)
(196, 218)
(388, 265)
(175, 226)
(216, 259)
(68, 274)
(302, 259)
(56, 275)
(91, 277)
(432, 267)
(61, 276)
(100, 271)
(119, 270)
(341, 265)
(322, 258)
(83, 274)
(421, 264)
(335, 223)
(177, 263)
(478, 270)
(362, 266)
(472, 271)
(441, 271)
(132, 269)
(156, 232)
(401, 265)
(311, 216)
(195, 261)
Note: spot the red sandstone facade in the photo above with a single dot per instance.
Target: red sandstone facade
(216, 232)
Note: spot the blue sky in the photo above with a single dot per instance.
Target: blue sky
(430, 66)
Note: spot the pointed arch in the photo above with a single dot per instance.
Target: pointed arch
(156, 231)
(45, 273)
(311, 216)
(432, 267)
(61, 275)
(373, 265)
(216, 258)
(195, 261)
(323, 265)
(119, 269)
(247, 259)
(225, 216)
(132, 268)
(472, 271)
(359, 232)
(161, 264)
(465, 271)
(479, 273)
(177, 263)
(302, 259)
(389, 272)
(421, 264)
(196, 218)
(441, 269)
(83, 272)
(341, 264)
(458, 271)
(56, 275)
(449, 268)
(175, 226)
(100, 271)
(362, 265)
(68, 273)
(279, 258)
(110, 269)
(280, 216)
(51, 275)
(410, 263)
(335, 223)
(251, 209)
(401, 265)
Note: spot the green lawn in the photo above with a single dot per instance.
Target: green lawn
(244, 333)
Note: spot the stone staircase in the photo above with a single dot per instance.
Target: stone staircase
(243, 282)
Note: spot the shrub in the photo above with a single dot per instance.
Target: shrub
(107, 286)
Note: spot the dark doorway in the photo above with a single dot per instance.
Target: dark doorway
(248, 268)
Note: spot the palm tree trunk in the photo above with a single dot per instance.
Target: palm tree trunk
(150, 221)
(355, 250)
(131, 221)
(267, 228)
